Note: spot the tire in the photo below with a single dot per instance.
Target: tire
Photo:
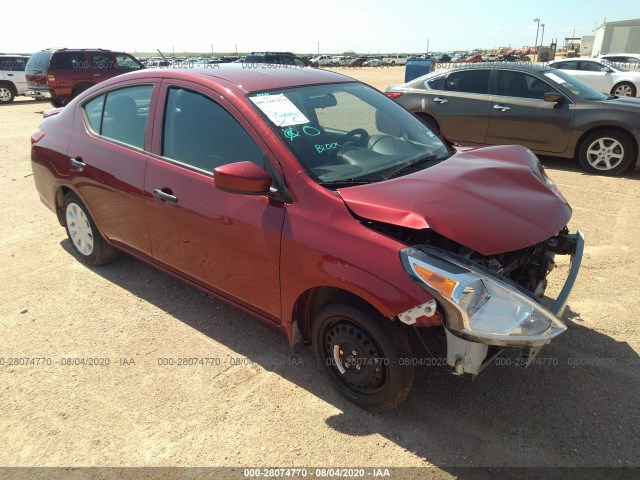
(6, 94)
(58, 103)
(88, 244)
(362, 353)
(77, 91)
(606, 152)
(624, 89)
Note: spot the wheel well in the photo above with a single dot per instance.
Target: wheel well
(10, 85)
(60, 194)
(80, 87)
(311, 301)
(599, 128)
(428, 119)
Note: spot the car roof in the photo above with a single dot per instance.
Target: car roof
(498, 65)
(251, 79)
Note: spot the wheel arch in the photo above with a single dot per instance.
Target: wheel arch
(428, 118)
(9, 84)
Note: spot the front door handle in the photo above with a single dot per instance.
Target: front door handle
(440, 100)
(502, 108)
(164, 196)
(77, 164)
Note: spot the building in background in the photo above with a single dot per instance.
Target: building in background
(586, 45)
(617, 37)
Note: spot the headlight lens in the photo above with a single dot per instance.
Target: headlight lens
(485, 307)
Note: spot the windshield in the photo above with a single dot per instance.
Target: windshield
(574, 85)
(349, 133)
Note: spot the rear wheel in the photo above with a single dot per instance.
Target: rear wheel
(6, 94)
(90, 247)
(57, 102)
(364, 356)
(606, 152)
(624, 89)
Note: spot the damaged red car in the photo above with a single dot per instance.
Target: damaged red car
(321, 207)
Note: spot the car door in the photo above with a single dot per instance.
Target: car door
(12, 70)
(519, 115)
(229, 243)
(596, 75)
(108, 160)
(461, 103)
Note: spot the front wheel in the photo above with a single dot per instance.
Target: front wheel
(364, 355)
(90, 247)
(624, 89)
(6, 94)
(606, 152)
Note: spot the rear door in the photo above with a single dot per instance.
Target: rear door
(461, 103)
(108, 161)
(227, 242)
(68, 69)
(519, 115)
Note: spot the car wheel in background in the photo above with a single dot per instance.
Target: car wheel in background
(624, 89)
(6, 94)
(58, 103)
(363, 355)
(606, 152)
(90, 247)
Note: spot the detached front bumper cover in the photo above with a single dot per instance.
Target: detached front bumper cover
(483, 307)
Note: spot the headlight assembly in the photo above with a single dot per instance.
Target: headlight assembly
(480, 306)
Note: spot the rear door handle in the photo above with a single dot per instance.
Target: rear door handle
(503, 108)
(440, 100)
(77, 164)
(164, 196)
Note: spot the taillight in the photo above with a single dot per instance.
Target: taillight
(51, 79)
(37, 136)
(393, 95)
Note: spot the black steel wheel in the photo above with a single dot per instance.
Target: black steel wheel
(363, 355)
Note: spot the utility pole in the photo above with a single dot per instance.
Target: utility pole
(535, 47)
(542, 38)
(318, 48)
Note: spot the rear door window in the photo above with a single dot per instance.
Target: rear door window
(69, 61)
(469, 81)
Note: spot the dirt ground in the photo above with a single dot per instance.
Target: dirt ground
(260, 405)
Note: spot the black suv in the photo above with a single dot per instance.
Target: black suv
(61, 74)
(278, 58)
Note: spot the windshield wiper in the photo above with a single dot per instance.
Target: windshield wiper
(348, 182)
(412, 164)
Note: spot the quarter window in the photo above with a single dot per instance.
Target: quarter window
(200, 133)
(470, 81)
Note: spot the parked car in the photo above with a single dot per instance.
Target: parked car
(62, 74)
(12, 79)
(277, 58)
(471, 59)
(544, 109)
(357, 62)
(315, 203)
(373, 62)
(627, 61)
(490, 57)
(394, 60)
(323, 61)
(601, 75)
(443, 58)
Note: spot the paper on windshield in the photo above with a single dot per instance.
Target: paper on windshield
(555, 78)
(280, 110)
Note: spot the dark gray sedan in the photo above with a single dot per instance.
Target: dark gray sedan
(538, 107)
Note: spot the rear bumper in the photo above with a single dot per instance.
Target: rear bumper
(40, 92)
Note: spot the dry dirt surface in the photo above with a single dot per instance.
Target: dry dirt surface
(258, 405)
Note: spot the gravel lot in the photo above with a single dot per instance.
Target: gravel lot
(264, 406)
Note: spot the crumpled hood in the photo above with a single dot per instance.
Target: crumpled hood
(486, 199)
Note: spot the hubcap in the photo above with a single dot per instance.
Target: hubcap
(605, 153)
(79, 229)
(623, 91)
(5, 94)
(357, 359)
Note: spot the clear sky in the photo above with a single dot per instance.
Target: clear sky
(401, 26)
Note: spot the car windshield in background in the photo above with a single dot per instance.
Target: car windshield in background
(573, 85)
(349, 133)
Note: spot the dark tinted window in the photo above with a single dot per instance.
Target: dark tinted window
(69, 61)
(592, 67)
(436, 83)
(519, 84)
(469, 81)
(39, 61)
(13, 64)
(573, 65)
(124, 116)
(101, 61)
(200, 133)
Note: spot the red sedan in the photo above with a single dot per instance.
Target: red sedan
(318, 205)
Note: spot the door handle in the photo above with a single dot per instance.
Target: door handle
(96, 74)
(440, 100)
(164, 196)
(77, 164)
(9, 74)
(502, 108)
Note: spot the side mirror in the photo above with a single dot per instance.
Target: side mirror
(553, 97)
(243, 177)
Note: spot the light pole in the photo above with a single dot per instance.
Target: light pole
(542, 37)
(535, 47)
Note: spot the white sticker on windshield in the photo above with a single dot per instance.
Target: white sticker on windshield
(555, 78)
(280, 110)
